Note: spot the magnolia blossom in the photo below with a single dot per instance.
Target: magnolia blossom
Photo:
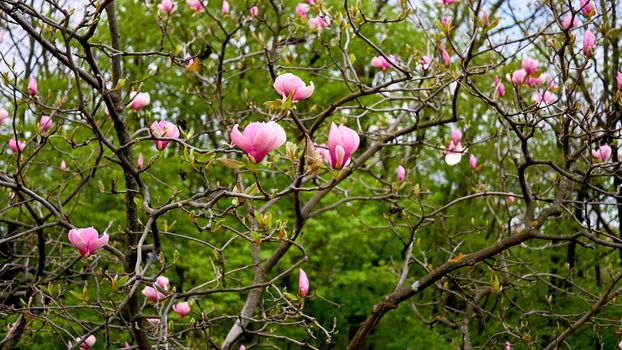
(485, 20)
(163, 129)
(319, 22)
(618, 82)
(588, 43)
(242, 347)
(535, 81)
(423, 64)
(570, 23)
(445, 22)
(499, 86)
(510, 199)
(380, 62)
(258, 139)
(139, 162)
(139, 100)
(543, 98)
(153, 294)
(87, 344)
(196, 5)
(472, 162)
(602, 153)
(45, 123)
(456, 136)
(16, 146)
(302, 9)
(587, 8)
(4, 114)
(167, 6)
(225, 7)
(445, 57)
(289, 84)
(86, 240)
(182, 309)
(446, 2)
(63, 165)
(32, 86)
(453, 153)
(303, 283)
(507, 345)
(401, 173)
(342, 142)
(254, 11)
(154, 322)
(518, 77)
(529, 65)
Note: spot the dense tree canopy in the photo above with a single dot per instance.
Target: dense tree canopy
(318, 175)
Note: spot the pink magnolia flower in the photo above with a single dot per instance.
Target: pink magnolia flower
(588, 43)
(401, 173)
(196, 5)
(32, 86)
(618, 82)
(319, 22)
(445, 56)
(139, 161)
(302, 9)
(342, 142)
(311, 2)
(587, 8)
(87, 344)
(242, 347)
(163, 129)
(620, 344)
(86, 240)
(4, 114)
(153, 294)
(167, 6)
(182, 309)
(570, 23)
(535, 81)
(510, 199)
(543, 98)
(324, 153)
(472, 162)
(456, 136)
(507, 345)
(423, 64)
(162, 282)
(518, 77)
(225, 7)
(485, 20)
(63, 165)
(139, 100)
(445, 22)
(303, 283)
(288, 84)
(529, 65)
(154, 322)
(380, 62)
(254, 11)
(446, 2)
(45, 123)
(258, 139)
(16, 146)
(602, 153)
(499, 86)
(453, 153)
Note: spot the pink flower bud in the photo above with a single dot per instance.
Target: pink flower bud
(588, 43)
(242, 347)
(258, 139)
(529, 65)
(254, 11)
(153, 294)
(32, 86)
(303, 284)
(289, 84)
(456, 136)
(154, 322)
(380, 63)
(163, 129)
(446, 2)
(139, 162)
(302, 9)
(63, 165)
(162, 282)
(518, 77)
(507, 345)
(196, 5)
(182, 309)
(167, 6)
(139, 100)
(225, 7)
(87, 344)
(535, 81)
(445, 22)
(423, 64)
(602, 153)
(510, 199)
(445, 57)
(543, 98)
(485, 20)
(16, 146)
(45, 123)
(87, 240)
(342, 142)
(4, 114)
(319, 22)
(472, 162)
(499, 86)
(401, 173)
(587, 8)
(618, 82)
(570, 23)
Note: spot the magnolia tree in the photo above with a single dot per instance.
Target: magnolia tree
(449, 168)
